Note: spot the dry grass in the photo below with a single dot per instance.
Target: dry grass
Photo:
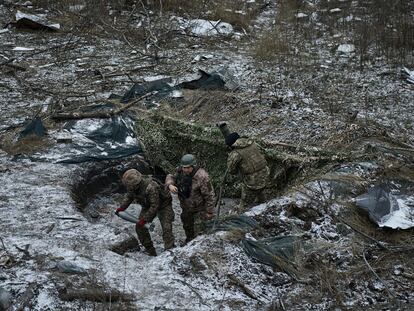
(271, 46)
(26, 145)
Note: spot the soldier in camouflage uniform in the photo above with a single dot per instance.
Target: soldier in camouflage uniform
(155, 201)
(196, 195)
(249, 163)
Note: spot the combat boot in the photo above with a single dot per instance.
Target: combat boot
(151, 251)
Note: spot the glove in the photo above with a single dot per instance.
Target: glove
(141, 222)
(120, 209)
(209, 216)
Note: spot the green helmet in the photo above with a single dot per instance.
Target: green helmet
(188, 160)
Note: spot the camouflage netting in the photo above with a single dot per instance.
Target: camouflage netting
(166, 139)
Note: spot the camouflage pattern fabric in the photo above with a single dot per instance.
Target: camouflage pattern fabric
(155, 201)
(249, 197)
(200, 200)
(193, 224)
(249, 163)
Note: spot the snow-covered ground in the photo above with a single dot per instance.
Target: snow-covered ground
(304, 100)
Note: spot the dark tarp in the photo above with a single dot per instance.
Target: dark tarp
(161, 86)
(276, 251)
(34, 127)
(207, 81)
(232, 222)
(107, 139)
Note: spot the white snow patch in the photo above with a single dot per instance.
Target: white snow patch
(204, 27)
(402, 217)
(301, 15)
(256, 210)
(22, 49)
(346, 48)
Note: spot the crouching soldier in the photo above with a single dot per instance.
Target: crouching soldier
(195, 193)
(155, 201)
(248, 162)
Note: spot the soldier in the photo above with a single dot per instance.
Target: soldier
(196, 195)
(249, 163)
(155, 201)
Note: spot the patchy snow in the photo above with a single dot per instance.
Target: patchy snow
(209, 28)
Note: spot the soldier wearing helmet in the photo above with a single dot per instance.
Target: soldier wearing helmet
(248, 162)
(155, 201)
(196, 195)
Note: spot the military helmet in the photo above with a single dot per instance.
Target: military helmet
(131, 178)
(188, 160)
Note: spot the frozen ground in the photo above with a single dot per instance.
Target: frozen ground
(307, 100)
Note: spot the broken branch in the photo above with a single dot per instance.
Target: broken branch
(98, 114)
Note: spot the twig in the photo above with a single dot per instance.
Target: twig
(218, 202)
(201, 300)
(69, 218)
(4, 246)
(245, 289)
(379, 243)
(377, 276)
(25, 251)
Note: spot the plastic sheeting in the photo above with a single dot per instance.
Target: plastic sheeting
(34, 127)
(232, 222)
(207, 81)
(277, 252)
(98, 140)
(389, 206)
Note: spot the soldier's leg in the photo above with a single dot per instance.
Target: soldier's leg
(199, 223)
(187, 218)
(145, 239)
(246, 199)
(166, 217)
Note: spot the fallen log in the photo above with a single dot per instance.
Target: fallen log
(98, 114)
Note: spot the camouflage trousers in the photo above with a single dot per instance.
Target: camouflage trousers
(166, 217)
(249, 197)
(193, 223)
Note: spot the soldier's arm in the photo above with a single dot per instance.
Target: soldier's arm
(127, 202)
(153, 197)
(233, 161)
(207, 191)
(170, 180)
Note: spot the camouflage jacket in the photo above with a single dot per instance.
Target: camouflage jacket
(151, 196)
(247, 160)
(200, 196)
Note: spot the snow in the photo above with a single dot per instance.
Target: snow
(22, 49)
(209, 28)
(346, 48)
(401, 217)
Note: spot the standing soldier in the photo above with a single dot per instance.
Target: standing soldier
(249, 163)
(196, 195)
(155, 201)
